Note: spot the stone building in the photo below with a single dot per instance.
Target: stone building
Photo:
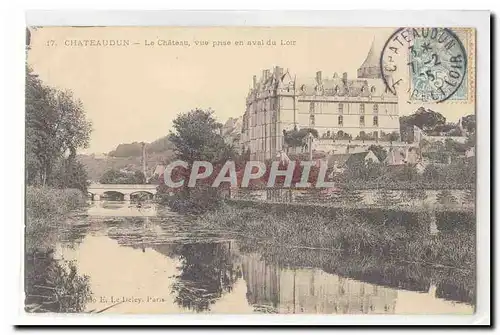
(336, 106)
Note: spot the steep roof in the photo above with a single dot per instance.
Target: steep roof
(347, 159)
(339, 159)
(371, 66)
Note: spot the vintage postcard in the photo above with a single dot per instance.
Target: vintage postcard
(251, 170)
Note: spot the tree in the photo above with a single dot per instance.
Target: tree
(432, 173)
(469, 123)
(70, 174)
(113, 176)
(295, 138)
(56, 127)
(425, 119)
(196, 137)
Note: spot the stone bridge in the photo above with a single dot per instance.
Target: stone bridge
(96, 191)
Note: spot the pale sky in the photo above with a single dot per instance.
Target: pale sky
(133, 93)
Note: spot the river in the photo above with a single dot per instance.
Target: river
(152, 260)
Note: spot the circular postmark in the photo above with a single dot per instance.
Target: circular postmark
(430, 62)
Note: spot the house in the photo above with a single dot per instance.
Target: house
(401, 156)
(340, 162)
(471, 152)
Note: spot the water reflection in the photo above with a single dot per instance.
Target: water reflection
(207, 271)
(164, 263)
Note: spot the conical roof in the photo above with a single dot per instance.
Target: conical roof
(371, 66)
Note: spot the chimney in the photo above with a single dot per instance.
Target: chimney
(318, 77)
(265, 74)
(344, 77)
(254, 81)
(278, 72)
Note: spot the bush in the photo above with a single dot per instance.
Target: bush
(45, 210)
(347, 232)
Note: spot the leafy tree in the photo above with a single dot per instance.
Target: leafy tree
(295, 138)
(56, 127)
(361, 170)
(471, 140)
(432, 173)
(425, 119)
(405, 173)
(469, 123)
(70, 173)
(196, 137)
(113, 176)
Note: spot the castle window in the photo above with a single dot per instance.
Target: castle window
(362, 108)
(362, 120)
(328, 133)
(375, 121)
(341, 120)
(373, 89)
(341, 108)
(375, 109)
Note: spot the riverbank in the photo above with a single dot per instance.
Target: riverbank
(49, 285)
(351, 233)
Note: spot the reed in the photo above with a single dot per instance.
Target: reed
(350, 233)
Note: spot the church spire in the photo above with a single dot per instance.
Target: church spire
(370, 68)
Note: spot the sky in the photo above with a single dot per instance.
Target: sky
(132, 93)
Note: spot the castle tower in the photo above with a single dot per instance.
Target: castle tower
(370, 69)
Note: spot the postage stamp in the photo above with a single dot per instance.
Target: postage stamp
(436, 64)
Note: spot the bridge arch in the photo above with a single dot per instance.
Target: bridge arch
(121, 191)
(113, 195)
(141, 195)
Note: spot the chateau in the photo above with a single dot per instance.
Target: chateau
(339, 108)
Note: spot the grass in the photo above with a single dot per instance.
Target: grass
(49, 285)
(46, 209)
(349, 233)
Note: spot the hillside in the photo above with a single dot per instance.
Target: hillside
(127, 156)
